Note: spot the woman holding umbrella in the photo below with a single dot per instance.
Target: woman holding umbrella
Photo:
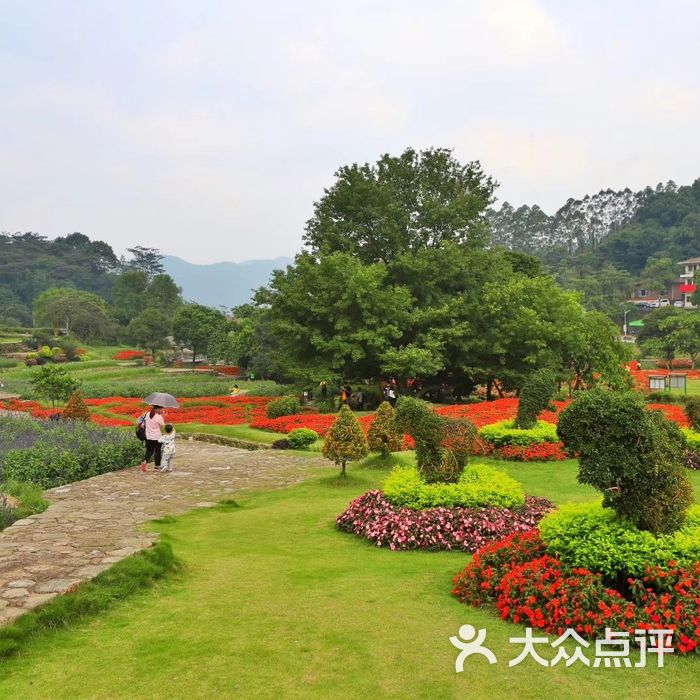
(153, 422)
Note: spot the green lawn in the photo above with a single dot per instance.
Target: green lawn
(274, 602)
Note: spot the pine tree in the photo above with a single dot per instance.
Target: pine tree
(76, 409)
(345, 441)
(384, 436)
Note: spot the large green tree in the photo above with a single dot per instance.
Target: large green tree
(194, 325)
(76, 312)
(410, 202)
(333, 315)
(150, 329)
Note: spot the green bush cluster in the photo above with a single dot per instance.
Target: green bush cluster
(442, 444)
(692, 438)
(633, 456)
(384, 436)
(595, 538)
(536, 395)
(52, 454)
(505, 432)
(286, 406)
(301, 438)
(478, 486)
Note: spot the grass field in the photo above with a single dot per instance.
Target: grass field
(274, 602)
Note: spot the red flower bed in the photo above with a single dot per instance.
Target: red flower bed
(672, 411)
(371, 516)
(210, 410)
(539, 452)
(488, 412)
(528, 586)
(128, 355)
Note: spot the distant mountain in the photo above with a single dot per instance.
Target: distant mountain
(221, 284)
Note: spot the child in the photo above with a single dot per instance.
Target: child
(168, 443)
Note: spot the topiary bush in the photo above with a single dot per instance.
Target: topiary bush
(478, 486)
(505, 432)
(458, 436)
(590, 536)
(416, 418)
(76, 409)
(286, 406)
(384, 435)
(692, 412)
(300, 438)
(345, 441)
(536, 395)
(633, 456)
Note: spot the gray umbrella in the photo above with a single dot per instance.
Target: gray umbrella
(160, 399)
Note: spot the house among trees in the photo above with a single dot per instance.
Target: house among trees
(690, 268)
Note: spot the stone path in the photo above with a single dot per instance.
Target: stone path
(92, 524)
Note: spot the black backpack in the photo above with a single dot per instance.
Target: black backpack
(141, 428)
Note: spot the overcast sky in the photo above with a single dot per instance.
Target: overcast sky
(207, 129)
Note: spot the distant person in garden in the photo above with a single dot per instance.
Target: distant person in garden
(153, 421)
(360, 399)
(323, 385)
(235, 390)
(167, 443)
(391, 395)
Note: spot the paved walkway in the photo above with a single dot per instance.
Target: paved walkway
(92, 524)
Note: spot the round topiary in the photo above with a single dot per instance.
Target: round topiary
(535, 396)
(76, 408)
(300, 438)
(633, 456)
(345, 441)
(384, 435)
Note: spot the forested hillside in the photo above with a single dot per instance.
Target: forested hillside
(623, 228)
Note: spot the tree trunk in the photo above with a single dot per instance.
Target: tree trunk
(489, 389)
(194, 356)
(342, 469)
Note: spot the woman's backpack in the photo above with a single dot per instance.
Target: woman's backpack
(141, 428)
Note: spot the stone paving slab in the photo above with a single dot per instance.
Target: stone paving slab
(95, 523)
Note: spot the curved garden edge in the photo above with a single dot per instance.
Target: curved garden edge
(92, 524)
(373, 517)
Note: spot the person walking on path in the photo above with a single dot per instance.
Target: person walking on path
(360, 399)
(153, 421)
(324, 389)
(167, 442)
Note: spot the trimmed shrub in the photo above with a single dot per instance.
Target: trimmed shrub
(300, 438)
(478, 486)
(692, 439)
(372, 517)
(692, 412)
(505, 432)
(458, 438)
(286, 406)
(633, 456)
(536, 395)
(76, 408)
(416, 418)
(384, 435)
(345, 441)
(593, 537)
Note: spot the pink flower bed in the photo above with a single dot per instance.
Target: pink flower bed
(467, 529)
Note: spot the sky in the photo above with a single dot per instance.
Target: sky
(208, 129)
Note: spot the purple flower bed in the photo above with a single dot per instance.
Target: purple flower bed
(468, 529)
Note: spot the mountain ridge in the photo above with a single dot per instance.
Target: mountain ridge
(222, 283)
